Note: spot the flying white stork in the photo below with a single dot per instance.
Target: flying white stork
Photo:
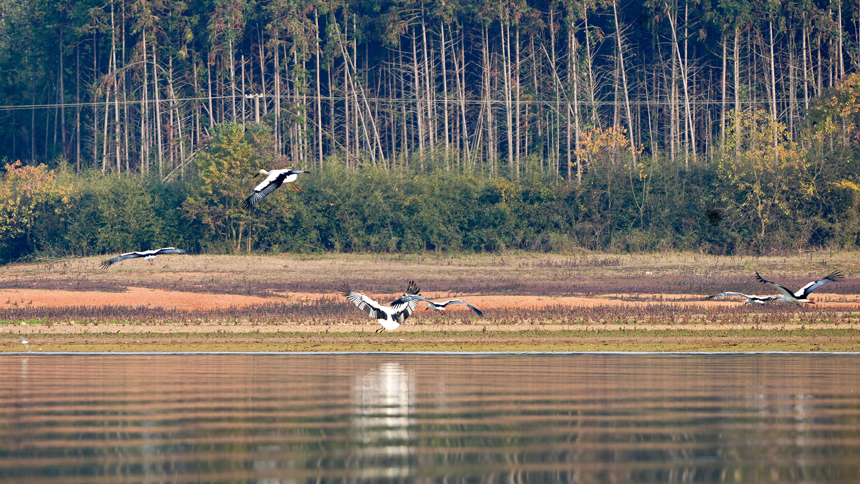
(750, 298)
(441, 306)
(274, 179)
(800, 296)
(392, 316)
(147, 255)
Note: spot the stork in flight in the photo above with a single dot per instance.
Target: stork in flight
(441, 306)
(801, 295)
(750, 299)
(391, 316)
(274, 179)
(147, 255)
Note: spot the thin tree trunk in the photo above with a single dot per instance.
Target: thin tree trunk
(319, 91)
(624, 79)
(508, 75)
(723, 103)
(690, 129)
(772, 85)
(157, 115)
(442, 51)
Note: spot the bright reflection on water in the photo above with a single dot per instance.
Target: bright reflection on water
(431, 418)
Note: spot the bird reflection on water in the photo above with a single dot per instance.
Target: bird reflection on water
(382, 404)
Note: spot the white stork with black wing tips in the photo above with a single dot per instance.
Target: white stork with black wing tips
(750, 299)
(390, 317)
(147, 255)
(274, 179)
(801, 295)
(441, 306)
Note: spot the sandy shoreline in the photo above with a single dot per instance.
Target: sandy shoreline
(581, 305)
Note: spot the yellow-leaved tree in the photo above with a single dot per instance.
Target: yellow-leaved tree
(761, 169)
(26, 193)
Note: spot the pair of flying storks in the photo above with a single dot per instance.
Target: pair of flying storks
(801, 296)
(274, 179)
(393, 315)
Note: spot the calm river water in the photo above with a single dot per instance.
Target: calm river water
(430, 417)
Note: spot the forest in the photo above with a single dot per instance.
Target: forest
(470, 125)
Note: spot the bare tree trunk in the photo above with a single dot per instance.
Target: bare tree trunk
(518, 133)
(772, 85)
(62, 101)
(319, 90)
(624, 79)
(841, 61)
(508, 75)
(278, 140)
(805, 70)
(157, 115)
(461, 93)
(243, 94)
(442, 51)
(115, 94)
(684, 74)
(575, 75)
(144, 112)
(553, 155)
(431, 135)
(419, 109)
(723, 103)
(78, 109)
(232, 79)
(737, 80)
(591, 87)
(105, 136)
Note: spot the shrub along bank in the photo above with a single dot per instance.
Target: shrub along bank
(655, 204)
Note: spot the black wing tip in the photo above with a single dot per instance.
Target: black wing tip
(760, 278)
(343, 287)
(247, 204)
(835, 275)
(412, 288)
(105, 264)
(480, 313)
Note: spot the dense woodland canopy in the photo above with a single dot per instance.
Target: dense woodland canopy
(722, 126)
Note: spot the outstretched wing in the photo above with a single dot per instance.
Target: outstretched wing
(261, 191)
(404, 306)
(121, 257)
(371, 307)
(784, 290)
(457, 301)
(805, 290)
(750, 298)
(170, 250)
(727, 294)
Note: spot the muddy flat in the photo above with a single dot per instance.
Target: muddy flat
(584, 302)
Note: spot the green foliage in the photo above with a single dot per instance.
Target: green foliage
(802, 199)
(223, 182)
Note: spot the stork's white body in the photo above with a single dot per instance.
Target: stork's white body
(390, 317)
(148, 255)
(750, 299)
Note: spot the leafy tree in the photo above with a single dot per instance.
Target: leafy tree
(763, 179)
(224, 175)
(28, 193)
